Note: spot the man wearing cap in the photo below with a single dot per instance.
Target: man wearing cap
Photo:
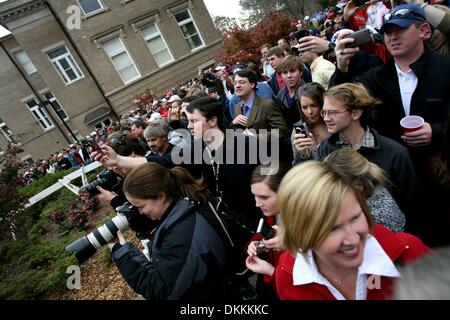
(224, 84)
(416, 82)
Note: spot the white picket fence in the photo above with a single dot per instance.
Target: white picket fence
(65, 182)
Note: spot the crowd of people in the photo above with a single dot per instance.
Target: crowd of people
(349, 196)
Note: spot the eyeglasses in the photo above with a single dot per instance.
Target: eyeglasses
(402, 13)
(331, 113)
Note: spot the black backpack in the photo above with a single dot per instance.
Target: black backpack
(234, 233)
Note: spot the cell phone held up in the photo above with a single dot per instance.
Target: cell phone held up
(361, 37)
(95, 146)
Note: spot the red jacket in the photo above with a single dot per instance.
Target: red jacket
(400, 247)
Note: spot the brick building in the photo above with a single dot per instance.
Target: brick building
(89, 58)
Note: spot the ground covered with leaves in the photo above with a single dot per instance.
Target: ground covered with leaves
(100, 278)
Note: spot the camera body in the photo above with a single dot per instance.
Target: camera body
(267, 232)
(107, 179)
(261, 247)
(361, 37)
(302, 128)
(127, 217)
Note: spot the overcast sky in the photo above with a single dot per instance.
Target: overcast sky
(227, 8)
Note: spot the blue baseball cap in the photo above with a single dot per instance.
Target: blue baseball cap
(403, 16)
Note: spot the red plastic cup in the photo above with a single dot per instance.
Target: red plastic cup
(411, 123)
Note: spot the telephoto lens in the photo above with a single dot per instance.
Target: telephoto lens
(87, 246)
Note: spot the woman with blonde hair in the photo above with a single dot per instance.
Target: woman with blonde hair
(187, 255)
(371, 180)
(335, 251)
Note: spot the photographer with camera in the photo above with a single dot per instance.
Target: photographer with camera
(265, 247)
(109, 185)
(187, 255)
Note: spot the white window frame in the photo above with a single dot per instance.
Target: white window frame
(7, 132)
(53, 99)
(114, 54)
(72, 63)
(154, 36)
(182, 23)
(27, 65)
(40, 115)
(102, 8)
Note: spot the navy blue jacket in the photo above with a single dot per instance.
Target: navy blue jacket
(187, 257)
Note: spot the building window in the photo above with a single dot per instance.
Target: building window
(156, 44)
(27, 159)
(7, 132)
(25, 61)
(39, 114)
(90, 7)
(50, 97)
(121, 60)
(189, 29)
(103, 124)
(77, 135)
(65, 65)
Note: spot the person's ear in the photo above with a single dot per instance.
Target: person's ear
(213, 122)
(425, 31)
(356, 114)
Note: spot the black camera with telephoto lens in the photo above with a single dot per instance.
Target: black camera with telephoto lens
(107, 179)
(127, 217)
(87, 246)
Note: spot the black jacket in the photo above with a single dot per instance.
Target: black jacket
(394, 159)
(187, 257)
(430, 100)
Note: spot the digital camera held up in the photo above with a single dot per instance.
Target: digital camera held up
(302, 128)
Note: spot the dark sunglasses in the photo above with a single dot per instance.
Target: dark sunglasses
(402, 13)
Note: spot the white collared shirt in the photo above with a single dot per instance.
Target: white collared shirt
(375, 263)
(408, 84)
